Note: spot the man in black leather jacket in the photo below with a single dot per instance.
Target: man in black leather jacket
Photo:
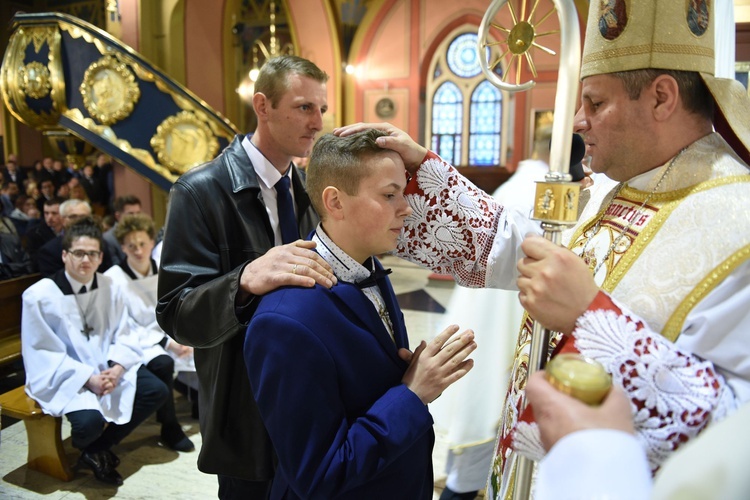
(223, 248)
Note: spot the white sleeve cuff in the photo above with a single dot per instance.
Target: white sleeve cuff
(594, 464)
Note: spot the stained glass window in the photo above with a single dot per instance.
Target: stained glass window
(447, 114)
(485, 125)
(466, 113)
(463, 59)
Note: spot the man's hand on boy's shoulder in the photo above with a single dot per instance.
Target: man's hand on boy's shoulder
(294, 264)
(436, 365)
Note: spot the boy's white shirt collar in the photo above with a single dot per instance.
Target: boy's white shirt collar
(347, 269)
(344, 267)
(76, 285)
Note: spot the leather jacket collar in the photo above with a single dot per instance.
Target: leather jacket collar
(237, 163)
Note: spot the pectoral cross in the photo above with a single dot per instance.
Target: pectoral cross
(86, 330)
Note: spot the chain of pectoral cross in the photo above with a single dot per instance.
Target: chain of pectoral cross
(86, 330)
(616, 241)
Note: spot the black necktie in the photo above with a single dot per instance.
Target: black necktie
(372, 280)
(285, 207)
(83, 289)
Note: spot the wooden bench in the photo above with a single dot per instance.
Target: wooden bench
(10, 316)
(44, 432)
(46, 453)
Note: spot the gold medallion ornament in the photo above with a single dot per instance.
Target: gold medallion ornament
(183, 141)
(109, 90)
(22, 82)
(34, 81)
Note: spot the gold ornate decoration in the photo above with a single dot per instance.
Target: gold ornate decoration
(39, 37)
(74, 149)
(220, 127)
(109, 90)
(183, 141)
(557, 201)
(120, 66)
(107, 133)
(20, 80)
(521, 37)
(99, 39)
(33, 80)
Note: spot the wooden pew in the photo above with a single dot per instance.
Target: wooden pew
(10, 316)
(44, 432)
(46, 452)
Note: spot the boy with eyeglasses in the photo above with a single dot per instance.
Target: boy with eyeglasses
(81, 359)
(48, 256)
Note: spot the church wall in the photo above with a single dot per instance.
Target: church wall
(30, 145)
(393, 50)
(129, 21)
(203, 51)
(315, 35)
(386, 73)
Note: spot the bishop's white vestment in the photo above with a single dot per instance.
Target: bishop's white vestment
(672, 324)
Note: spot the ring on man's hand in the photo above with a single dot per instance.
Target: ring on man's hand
(294, 269)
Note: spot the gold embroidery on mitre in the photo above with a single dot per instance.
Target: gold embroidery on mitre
(625, 35)
(690, 50)
(636, 50)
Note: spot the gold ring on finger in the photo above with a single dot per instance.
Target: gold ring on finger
(294, 269)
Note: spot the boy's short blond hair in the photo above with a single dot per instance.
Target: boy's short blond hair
(340, 162)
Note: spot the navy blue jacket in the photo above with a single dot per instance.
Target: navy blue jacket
(327, 380)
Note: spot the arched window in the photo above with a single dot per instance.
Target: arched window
(447, 116)
(485, 125)
(465, 112)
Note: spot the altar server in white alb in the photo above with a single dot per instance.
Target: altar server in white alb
(138, 275)
(81, 359)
